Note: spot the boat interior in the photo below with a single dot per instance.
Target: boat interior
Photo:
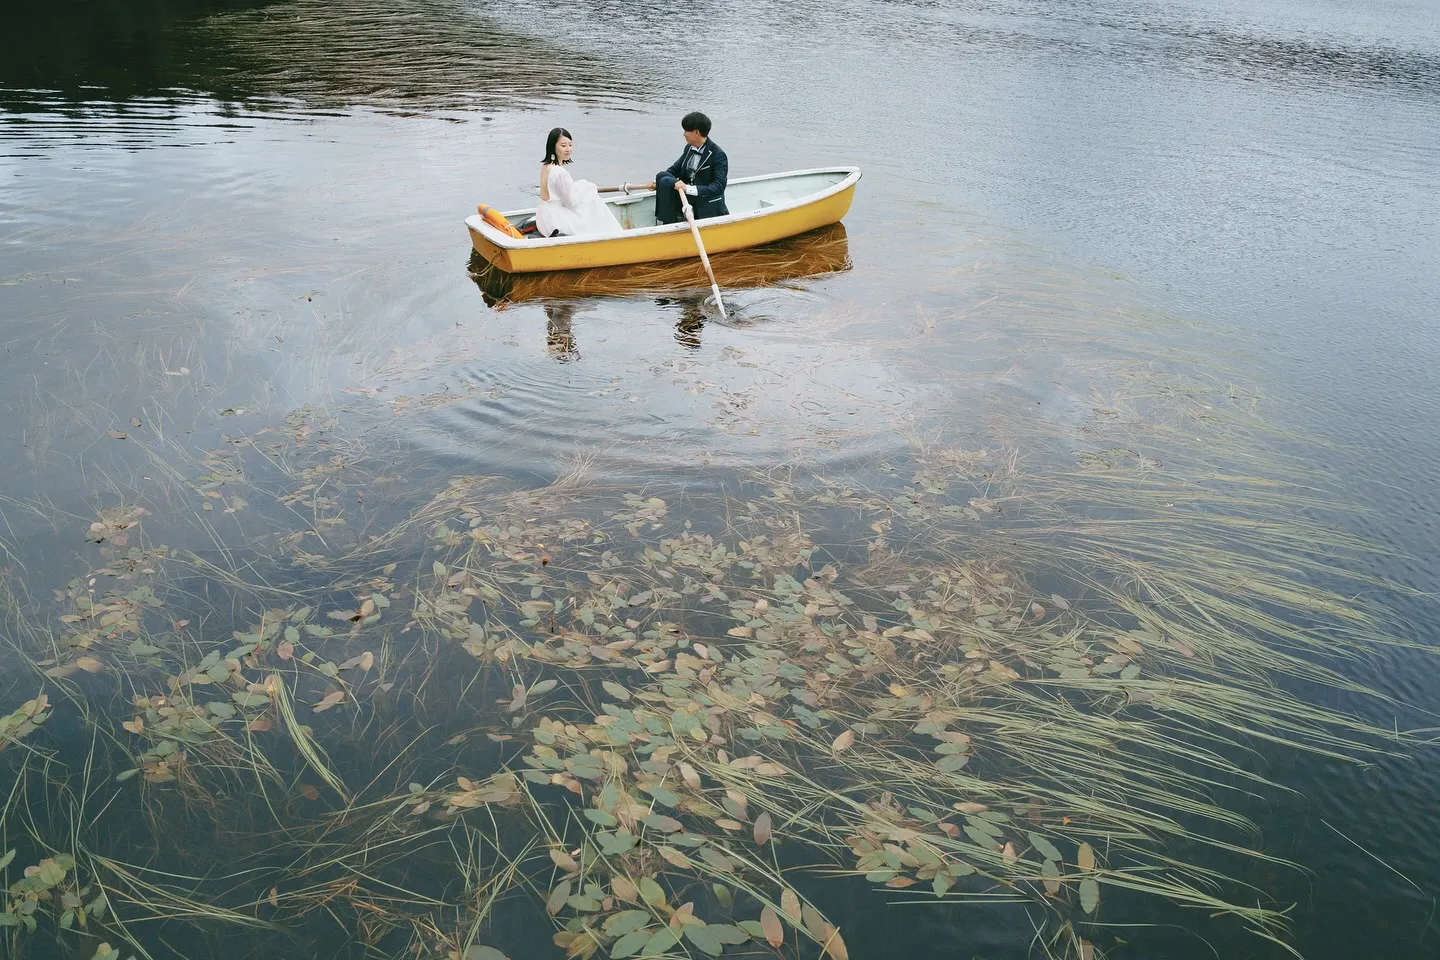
(741, 196)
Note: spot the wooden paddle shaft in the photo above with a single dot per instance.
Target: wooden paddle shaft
(700, 246)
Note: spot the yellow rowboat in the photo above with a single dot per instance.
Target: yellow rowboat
(762, 210)
(813, 254)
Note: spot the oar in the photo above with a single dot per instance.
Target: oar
(699, 245)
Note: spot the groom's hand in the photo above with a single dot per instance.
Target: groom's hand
(680, 186)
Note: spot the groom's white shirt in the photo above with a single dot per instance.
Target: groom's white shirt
(692, 163)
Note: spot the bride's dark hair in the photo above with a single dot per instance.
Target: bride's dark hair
(550, 142)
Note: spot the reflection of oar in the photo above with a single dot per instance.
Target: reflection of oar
(699, 245)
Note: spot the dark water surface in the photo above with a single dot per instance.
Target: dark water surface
(213, 214)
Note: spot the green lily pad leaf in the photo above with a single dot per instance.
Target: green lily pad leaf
(5, 860)
(627, 921)
(717, 859)
(661, 941)
(615, 690)
(1045, 847)
(728, 933)
(140, 649)
(952, 762)
(544, 686)
(557, 898)
(704, 939)
(661, 795)
(754, 928)
(617, 844)
(477, 952)
(652, 891)
(601, 817)
(658, 821)
(1089, 894)
(941, 883)
(631, 944)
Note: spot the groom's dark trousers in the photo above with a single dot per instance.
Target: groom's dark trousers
(709, 180)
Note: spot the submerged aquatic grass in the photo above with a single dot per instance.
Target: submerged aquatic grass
(662, 720)
(680, 697)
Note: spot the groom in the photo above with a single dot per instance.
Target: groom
(700, 173)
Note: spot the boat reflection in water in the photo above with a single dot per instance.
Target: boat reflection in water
(676, 284)
(810, 254)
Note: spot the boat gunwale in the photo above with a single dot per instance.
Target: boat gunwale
(505, 241)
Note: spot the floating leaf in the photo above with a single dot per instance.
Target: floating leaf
(626, 921)
(1050, 871)
(660, 942)
(556, 901)
(652, 891)
(790, 904)
(774, 929)
(329, 700)
(89, 664)
(1089, 894)
(843, 741)
(717, 859)
(834, 944)
(815, 924)
(704, 939)
(723, 896)
(615, 690)
(1085, 858)
(622, 887)
(477, 952)
(688, 774)
(762, 829)
(677, 858)
(664, 824)
(728, 933)
(564, 861)
(631, 944)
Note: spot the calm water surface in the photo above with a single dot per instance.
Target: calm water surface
(215, 213)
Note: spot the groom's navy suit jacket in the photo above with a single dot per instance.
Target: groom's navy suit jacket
(709, 180)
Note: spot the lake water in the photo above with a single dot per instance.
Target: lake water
(215, 214)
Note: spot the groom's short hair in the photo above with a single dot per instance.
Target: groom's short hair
(696, 121)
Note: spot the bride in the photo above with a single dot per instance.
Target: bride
(568, 207)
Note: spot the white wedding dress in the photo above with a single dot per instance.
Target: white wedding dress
(574, 207)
